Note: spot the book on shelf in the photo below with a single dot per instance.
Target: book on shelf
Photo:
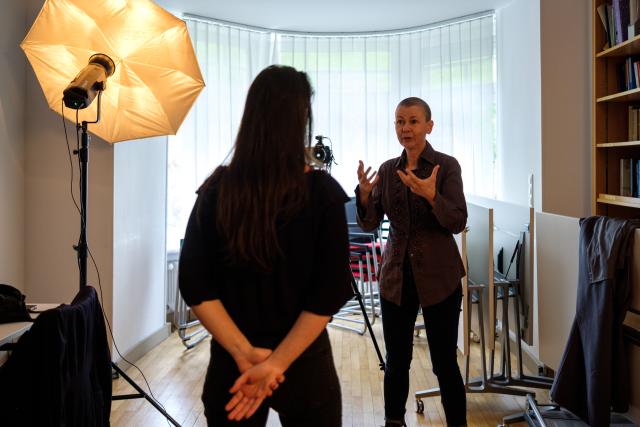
(636, 178)
(604, 10)
(634, 9)
(625, 177)
(621, 19)
(633, 123)
(612, 26)
(630, 177)
(628, 73)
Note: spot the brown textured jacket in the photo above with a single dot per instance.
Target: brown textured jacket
(422, 232)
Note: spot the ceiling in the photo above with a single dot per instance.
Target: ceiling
(332, 15)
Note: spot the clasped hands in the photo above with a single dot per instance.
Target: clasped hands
(422, 187)
(260, 377)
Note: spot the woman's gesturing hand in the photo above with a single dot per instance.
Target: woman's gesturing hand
(367, 180)
(422, 187)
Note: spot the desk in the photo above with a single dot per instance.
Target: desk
(10, 332)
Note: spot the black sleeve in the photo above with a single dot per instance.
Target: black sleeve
(331, 277)
(197, 269)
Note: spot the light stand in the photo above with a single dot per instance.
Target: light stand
(82, 250)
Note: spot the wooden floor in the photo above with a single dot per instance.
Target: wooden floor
(176, 376)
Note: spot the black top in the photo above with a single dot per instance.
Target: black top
(313, 275)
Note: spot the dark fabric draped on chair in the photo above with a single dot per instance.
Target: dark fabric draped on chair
(59, 373)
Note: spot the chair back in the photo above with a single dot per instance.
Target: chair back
(60, 371)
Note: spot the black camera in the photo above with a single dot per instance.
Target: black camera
(320, 152)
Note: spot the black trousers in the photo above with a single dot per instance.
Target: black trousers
(441, 324)
(309, 396)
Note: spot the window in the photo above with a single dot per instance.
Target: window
(358, 80)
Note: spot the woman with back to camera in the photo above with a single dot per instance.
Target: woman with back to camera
(421, 194)
(264, 265)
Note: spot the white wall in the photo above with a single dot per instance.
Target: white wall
(544, 103)
(565, 45)
(544, 98)
(518, 51)
(519, 114)
(13, 23)
(139, 263)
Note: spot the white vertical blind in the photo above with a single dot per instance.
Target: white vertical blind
(229, 59)
(358, 80)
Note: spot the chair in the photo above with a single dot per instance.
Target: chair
(364, 259)
(367, 244)
(552, 415)
(181, 315)
(59, 372)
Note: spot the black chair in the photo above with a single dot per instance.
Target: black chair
(59, 371)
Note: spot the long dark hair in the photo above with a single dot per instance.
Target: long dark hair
(264, 184)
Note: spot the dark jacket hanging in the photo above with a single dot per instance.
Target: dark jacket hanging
(60, 371)
(592, 378)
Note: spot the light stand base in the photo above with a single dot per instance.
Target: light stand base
(141, 394)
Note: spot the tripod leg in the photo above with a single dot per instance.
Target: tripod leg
(354, 285)
(142, 394)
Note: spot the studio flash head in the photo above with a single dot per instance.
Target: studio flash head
(93, 78)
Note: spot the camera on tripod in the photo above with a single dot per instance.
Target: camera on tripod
(320, 155)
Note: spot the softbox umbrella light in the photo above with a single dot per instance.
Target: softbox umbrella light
(157, 78)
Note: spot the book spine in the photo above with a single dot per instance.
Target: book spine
(633, 191)
(612, 38)
(637, 177)
(625, 175)
(624, 7)
(617, 21)
(602, 12)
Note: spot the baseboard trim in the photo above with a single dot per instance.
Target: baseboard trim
(144, 346)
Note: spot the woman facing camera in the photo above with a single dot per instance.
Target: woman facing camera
(421, 193)
(264, 265)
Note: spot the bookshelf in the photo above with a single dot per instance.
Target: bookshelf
(610, 122)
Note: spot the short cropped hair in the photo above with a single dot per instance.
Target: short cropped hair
(412, 101)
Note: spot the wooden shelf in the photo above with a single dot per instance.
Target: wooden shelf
(626, 96)
(618, 144)
(630, 47)
(610, 127)
(612, 199)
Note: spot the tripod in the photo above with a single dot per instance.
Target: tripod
(82, 250)
(358, 295)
